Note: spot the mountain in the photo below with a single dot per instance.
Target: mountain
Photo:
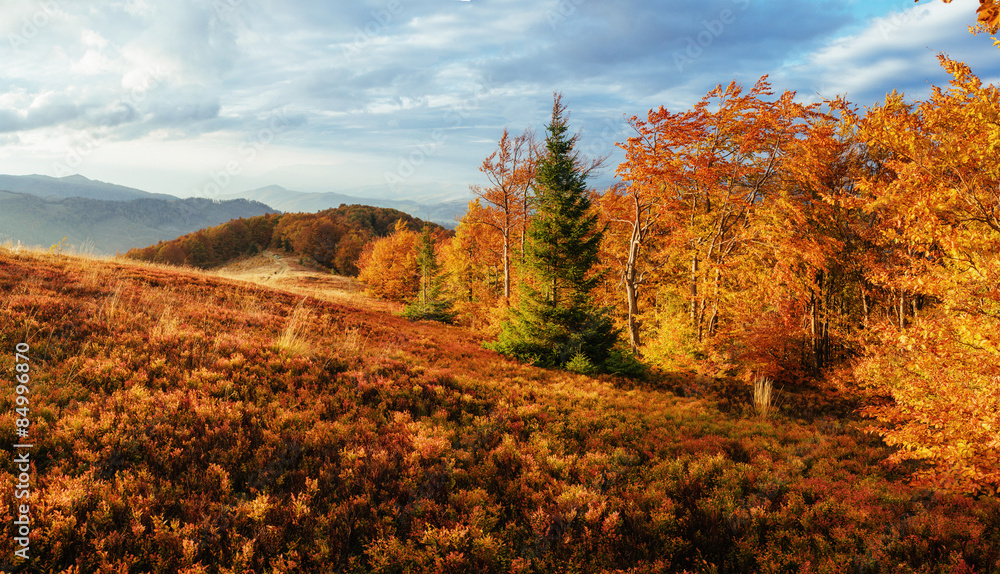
(74, 186)
(108, 226)
(445, 213)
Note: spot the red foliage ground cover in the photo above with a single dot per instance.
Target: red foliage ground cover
(186, 423)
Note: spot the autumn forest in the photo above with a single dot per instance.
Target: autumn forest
(757, 237)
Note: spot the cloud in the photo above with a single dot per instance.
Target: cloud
(895, 51)
(374, 80)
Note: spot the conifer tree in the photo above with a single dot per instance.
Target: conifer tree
(555, 323)
(430, 304)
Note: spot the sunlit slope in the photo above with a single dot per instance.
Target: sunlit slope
(193, 423)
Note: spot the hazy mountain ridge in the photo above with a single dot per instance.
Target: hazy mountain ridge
(74, 186)
(108, 226)
(445, 213)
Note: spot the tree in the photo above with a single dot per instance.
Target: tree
(935, 362)
(429, 304)
(473, 269)
(555, 322)
(510, 170)
(388, 266)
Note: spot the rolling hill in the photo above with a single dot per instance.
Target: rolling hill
(107, 226)
(74, 186)
(185, 422)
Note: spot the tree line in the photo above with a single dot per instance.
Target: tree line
(332, 239)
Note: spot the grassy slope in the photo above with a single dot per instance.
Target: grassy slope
(188, 422)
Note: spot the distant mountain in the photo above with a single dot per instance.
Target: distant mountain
(445, 213)
(108, 226)
(74, 186)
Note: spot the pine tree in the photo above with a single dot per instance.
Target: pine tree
(430, 304)
(555, 323)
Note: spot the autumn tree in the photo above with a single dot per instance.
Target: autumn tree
(935, 362)
(388, 265)
(510, 171)
(555, 323)
(473, 269)
(724, 209)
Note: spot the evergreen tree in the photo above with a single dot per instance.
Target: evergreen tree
(555, 323)
(430, 304)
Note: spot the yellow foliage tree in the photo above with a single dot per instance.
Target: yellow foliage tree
(937, 364)
(388, 266)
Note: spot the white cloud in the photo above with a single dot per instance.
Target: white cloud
(896, 51)
(364, 83)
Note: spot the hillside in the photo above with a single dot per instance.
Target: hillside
(108, 226)
(332, 239)
(186, 422)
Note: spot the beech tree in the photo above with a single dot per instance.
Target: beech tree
(555, 323)
(510, 171)
(935, 362)
(388, 265)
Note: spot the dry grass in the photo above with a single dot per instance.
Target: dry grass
(291, 339)
(764, 396)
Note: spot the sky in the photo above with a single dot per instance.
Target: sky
(405, 98)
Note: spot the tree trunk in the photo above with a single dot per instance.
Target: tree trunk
(506, 264)
(631, 280)
(695, 323)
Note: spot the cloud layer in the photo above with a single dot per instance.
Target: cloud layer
(405, 97)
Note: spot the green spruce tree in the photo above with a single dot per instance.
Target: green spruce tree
(430, 303)
(556, 323)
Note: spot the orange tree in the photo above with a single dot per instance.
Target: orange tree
(388, 266)
(723, 216)
(935, 363)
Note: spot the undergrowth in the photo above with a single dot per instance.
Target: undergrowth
(187, 423)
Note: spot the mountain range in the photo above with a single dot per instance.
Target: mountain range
(104, 218)
(444, 213)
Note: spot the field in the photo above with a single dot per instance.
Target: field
(267, 418)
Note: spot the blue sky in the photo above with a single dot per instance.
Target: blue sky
(404, 98)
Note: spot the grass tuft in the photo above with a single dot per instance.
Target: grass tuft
(291, 339)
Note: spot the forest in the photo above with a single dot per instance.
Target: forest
(755, 237)
(332, 239)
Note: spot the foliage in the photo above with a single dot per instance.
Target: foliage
(472, 265)
(173, 434)
(936, 362)
(555, 319)
(388, 266)
(333, 238)
(430, 303)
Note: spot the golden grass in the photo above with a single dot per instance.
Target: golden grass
(764, 397)
(291, 339)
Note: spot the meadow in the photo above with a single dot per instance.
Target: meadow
(193, 422)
